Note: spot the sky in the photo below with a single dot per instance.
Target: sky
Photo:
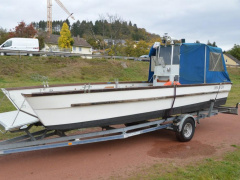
(202, 20)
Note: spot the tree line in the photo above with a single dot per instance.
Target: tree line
(137, 40)
(106, 27)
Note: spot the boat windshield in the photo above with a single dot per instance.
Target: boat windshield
(165, 53)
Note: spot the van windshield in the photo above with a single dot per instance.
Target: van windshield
(8, 44)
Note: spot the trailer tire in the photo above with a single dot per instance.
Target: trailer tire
(187, 131)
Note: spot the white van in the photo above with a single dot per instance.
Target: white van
(21, 44)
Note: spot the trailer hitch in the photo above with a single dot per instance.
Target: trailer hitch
(228, 110)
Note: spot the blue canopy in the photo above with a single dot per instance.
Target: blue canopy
(199, 63)
(152, 52)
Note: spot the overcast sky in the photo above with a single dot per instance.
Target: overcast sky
(203, 20)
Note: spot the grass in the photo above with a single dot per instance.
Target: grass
(28, 71)
(210, 169)
(234, 95)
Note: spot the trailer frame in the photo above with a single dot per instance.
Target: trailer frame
(41, 139)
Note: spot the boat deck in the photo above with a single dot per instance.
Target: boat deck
(15, 119)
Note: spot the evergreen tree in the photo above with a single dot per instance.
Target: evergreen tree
(65, 40)
(214, 44)
(75, 29)
(130, 24)
(106, 27)
(68, 23)
(82, 28)
(42, 25)
(208, 43)
(98, 27)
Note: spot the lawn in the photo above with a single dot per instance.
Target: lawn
(225, 168)
(29, 71)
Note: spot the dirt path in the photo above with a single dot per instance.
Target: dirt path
(213, 137)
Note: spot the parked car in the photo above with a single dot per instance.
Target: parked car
(143, 58)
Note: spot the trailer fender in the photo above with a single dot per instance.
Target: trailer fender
(184, 127)
(179, 121)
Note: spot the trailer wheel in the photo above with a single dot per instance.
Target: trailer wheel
(187, 130)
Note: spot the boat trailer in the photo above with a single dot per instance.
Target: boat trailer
(183, 125)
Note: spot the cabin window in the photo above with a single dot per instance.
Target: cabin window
(215, 62)
(176, 55)
(74, 48)
(8, 44)
(165, 53)
(79, 48)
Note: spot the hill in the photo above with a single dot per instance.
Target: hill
(25, 71)
(29, 71)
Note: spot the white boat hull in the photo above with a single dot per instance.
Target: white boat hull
(102, 107)
(25, 114)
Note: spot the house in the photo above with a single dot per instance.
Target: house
(230, 60)
(80, 45)
(114, 41)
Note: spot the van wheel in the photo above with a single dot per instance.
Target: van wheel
(187, 132)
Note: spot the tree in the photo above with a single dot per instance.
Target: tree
(41, 42)
(23, 30)
(212, 44)
(65, 40)
(130, 23)
(115, 26)
(129, 48)
(42, 25)
(75, 29)
(235, 51)
(68, 23)
(141, 48)
(110, 27)
(3, 35)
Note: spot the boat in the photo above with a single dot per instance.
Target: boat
(183, 78)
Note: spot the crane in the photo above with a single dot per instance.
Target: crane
(49, 14)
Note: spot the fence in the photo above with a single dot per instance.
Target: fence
(67, 54)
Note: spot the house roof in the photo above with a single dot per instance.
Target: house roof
(233, 58)
(80, 42)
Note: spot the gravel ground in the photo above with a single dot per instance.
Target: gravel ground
(121, 158)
